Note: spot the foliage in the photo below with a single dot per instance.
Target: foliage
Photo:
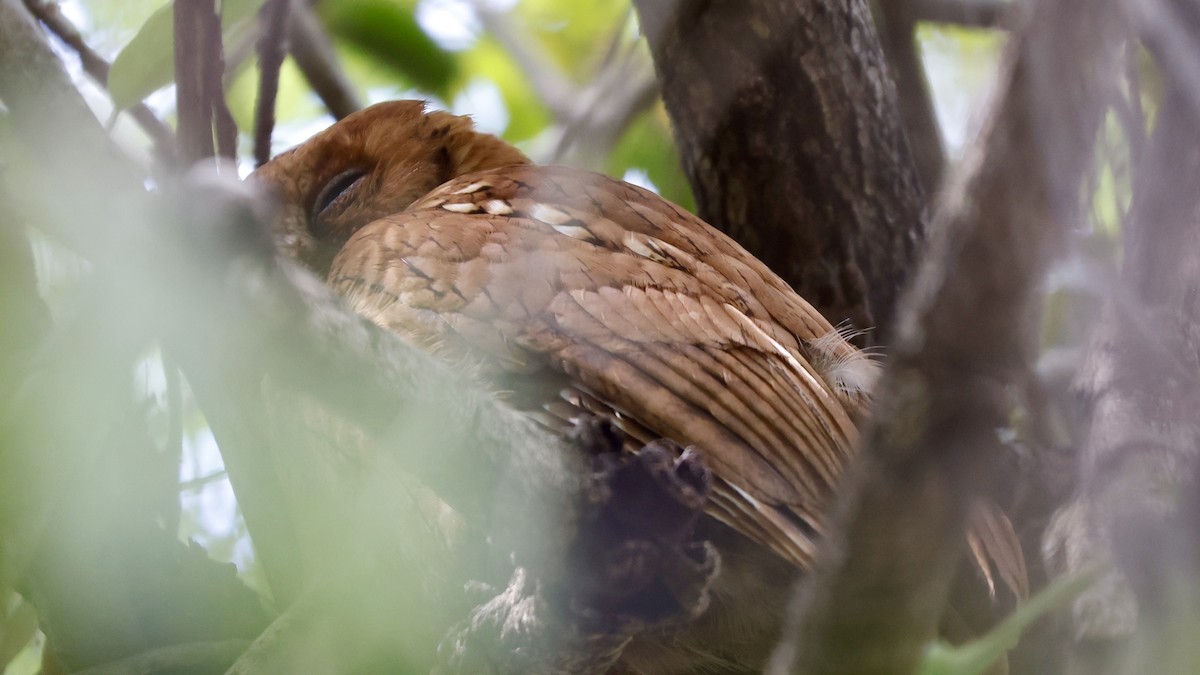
(436, 50)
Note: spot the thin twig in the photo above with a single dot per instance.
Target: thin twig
(1136, 129)
(314, 55)
(613, 50)
(604, 110)
(199, 93)
(240, 48)
(196, 657)
(318, 62)
(1169, 29)
(214, 71)
(199, 482)
(175, 412)
(551, 85)
(624, 87)
(191, 104)
(98, 68)
(272, 46)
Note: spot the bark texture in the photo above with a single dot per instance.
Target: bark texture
(874, 600)
(789, 135)
(897, 22)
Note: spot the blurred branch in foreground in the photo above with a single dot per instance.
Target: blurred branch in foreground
(97, 67)
(1137, 506)
(214, 295)
(873, 602)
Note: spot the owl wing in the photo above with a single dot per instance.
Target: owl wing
(548, 274)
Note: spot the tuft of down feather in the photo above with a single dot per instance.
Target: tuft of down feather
(852, 372)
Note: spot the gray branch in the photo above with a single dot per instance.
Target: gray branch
(875, 598)
(1137, 506)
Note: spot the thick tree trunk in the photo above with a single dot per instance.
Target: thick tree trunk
(789, 135)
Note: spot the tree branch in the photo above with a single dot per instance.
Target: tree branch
(96, 67)
(588, 120)
(874, 600)
(551, 85)
(204, 657)
(220, 302)
(272, 45)
(897, 34)
(78, 536)
(314, 55)
(281, 316)
(602, 112)
(199, 90)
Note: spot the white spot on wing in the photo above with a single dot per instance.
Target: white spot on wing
(644, 246)
(549, 215)
(473, 187)
(574, 231)
(497, 207)
(461, 207)
(635, 244)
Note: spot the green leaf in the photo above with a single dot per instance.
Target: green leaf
(976, 657)
(147, 63)
(389, 33)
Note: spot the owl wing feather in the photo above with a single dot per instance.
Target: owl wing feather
(566, 277)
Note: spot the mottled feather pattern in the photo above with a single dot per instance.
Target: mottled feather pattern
(639, 302)
(570, 292)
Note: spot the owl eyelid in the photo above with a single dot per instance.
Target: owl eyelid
(335, 188)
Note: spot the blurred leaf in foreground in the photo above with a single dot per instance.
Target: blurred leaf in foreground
(146, 64)
(388, 31)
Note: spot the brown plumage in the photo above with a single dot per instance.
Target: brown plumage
(636, 305)
(570, 291)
